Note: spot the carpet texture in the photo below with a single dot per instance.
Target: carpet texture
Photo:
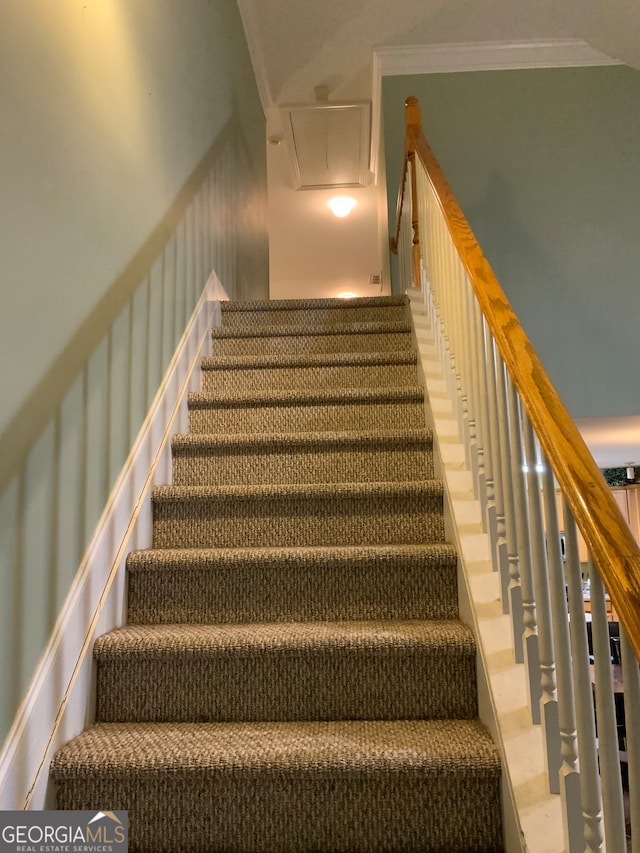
(293, 675)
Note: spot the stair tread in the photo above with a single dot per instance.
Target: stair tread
(307, 360)
(275, 397)
(365, 327)
(322, 583)
(446, 635)
(149, 558)
(235, 306)
(394, 438)
(333, 746)
(309, 313)
(297, 490)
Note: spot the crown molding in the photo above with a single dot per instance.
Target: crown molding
(396, 60)
(488, 56)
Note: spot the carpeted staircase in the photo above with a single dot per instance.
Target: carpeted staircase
(293, 675)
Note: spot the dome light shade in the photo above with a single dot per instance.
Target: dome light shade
(341, 205)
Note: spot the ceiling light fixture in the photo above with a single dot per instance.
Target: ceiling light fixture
(341, 205)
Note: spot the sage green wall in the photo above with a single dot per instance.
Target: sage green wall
(546, 166)
(107, 107)
(132, 161)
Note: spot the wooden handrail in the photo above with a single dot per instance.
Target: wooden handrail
(608, 538)
(393, 242)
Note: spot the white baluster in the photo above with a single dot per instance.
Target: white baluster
(569, 776)
(631, 679)
(477, 344)
(548, 700)
(466, 370)
(529, 639)
(511, 574)
(500, 555)
(449, 309)
(490, 523)
(587, 754)
(472, 404)
(608, 749)
(460, 343)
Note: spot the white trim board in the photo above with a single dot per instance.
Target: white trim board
(58, 704)
(488, 56)
(397, 60)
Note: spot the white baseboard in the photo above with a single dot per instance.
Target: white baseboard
(59, 702)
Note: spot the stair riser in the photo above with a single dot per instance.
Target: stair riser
(327, 683)
(307, 418)
(406, 811)
(312, 344)
(293, 592)
(313, 318)
(303, 378)
(300, 465)
(295, 522)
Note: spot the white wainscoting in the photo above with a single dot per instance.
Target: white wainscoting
(59, 702)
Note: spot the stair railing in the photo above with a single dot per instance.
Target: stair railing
(558, 539)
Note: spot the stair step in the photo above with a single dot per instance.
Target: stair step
(343, 337)
(286, 671)
(302, 458)
(297, 515)
(339, 786)
(334, 370)
(355, 410)
(295, 584)
(312, 313)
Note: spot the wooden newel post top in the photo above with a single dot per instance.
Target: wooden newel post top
(412, 113)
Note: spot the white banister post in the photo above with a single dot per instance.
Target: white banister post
(587, 754)
(631, 678)
(450, 315)
(466, 371)
(608, 750)
(443, 295)
(481, 409)
(460, 343)
(474, 467)
(499, 555)
(490, 525)
(548, 699)
(569, 776)
(511, 574)
(529, 636)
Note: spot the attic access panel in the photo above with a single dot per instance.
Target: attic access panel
(329, 144)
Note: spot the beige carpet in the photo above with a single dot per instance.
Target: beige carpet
(293, 675)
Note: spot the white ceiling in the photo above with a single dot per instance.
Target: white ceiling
(299, 45)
